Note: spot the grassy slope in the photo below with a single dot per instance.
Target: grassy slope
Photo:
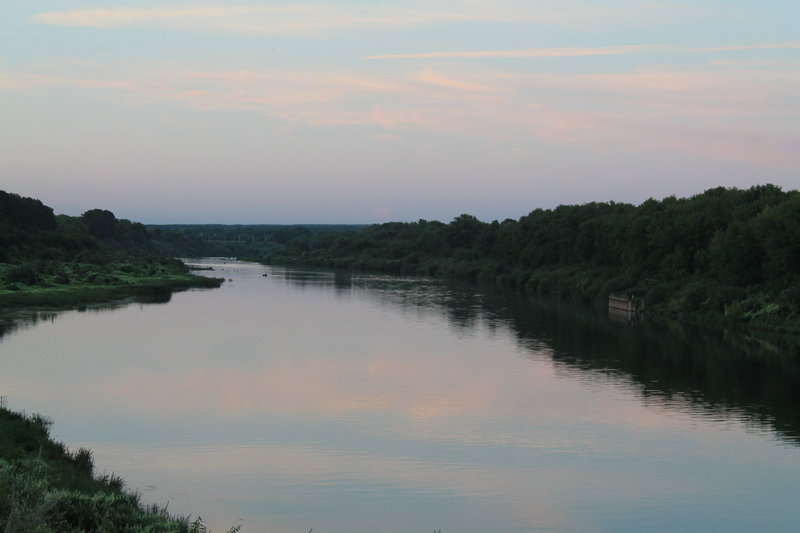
(48, 260)
(45, 488)
(63, 262)
(68, 295)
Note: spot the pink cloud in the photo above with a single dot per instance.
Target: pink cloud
(580, 51)
(533, 52)
(744, 113)
(434, 78)
(266, 19)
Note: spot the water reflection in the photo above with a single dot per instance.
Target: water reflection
(374, 403)
(721, 375)
(19, 319)
(13, 319)
(718, 375)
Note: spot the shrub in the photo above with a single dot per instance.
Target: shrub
(24, 274)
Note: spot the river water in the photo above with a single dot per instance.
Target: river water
(356, 403)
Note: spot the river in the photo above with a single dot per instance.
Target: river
(355, 403)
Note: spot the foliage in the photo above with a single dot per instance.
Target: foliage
(17, 211)
(101, 223)
(242, 241)
(63, 260)
(45, 488)
(702, 257)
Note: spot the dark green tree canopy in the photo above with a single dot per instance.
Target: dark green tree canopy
(21, 212)
(726, 251)
(101, 223)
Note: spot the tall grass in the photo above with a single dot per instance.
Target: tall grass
(46, 488)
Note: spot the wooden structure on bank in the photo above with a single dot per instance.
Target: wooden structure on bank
(625, 304)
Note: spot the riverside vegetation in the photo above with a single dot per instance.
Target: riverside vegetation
(49, 260)
(726, 257)
(45, 488)
(63, 261)
(723, 257)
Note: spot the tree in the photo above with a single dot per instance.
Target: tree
(101, 223)
(25, 213)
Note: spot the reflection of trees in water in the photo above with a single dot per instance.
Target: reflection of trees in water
(301, 279)
(11, 321)
(718, 375)
(723, 376)
(22, 318)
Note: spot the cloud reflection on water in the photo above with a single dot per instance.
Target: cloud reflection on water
(358, 402)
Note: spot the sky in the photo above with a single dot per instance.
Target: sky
(355, 111)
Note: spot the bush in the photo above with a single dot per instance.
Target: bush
(46, 489)
(791, 298)
(657, 294)
(83, 461)
(24, 274)
(694, 296)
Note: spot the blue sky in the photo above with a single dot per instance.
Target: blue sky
(356, 111)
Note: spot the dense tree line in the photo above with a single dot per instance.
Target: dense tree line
(726, 254)
(40, 250)
(19, 212)
(245, 241)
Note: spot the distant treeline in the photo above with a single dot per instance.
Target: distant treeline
(30, 231)
(726, 255)
(59, 259)
(239, 240)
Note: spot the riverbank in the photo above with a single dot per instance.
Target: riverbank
(772, 307)
(723, 258)
(79, 294)
(47, 488)
(64, 261)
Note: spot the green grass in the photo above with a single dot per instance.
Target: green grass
(70, 295)
(46, 488)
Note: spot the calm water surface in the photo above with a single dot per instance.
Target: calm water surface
(364, 403)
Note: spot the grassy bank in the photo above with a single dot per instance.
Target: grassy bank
(768, 306)
(107, 278)
(78, 294)
(46, 488)
(65, 261)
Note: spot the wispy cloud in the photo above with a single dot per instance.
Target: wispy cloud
(18, 82)
(263, 19)
(735, 48)
(733, 113)
(435, 78)
(582, 51)
(532, 52)
(283, 16)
